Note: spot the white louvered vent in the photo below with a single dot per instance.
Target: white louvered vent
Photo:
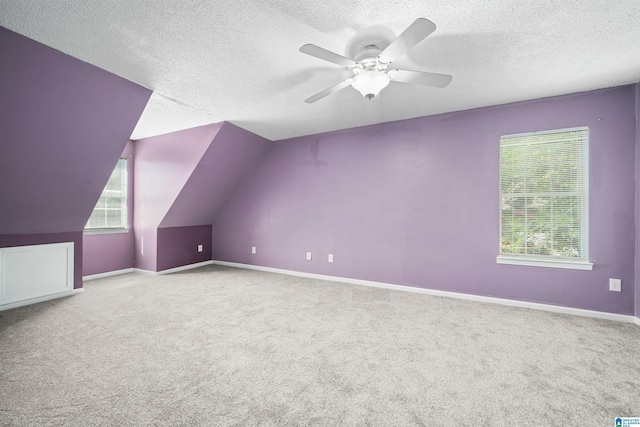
(34, 273)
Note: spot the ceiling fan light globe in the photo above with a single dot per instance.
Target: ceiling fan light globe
(370, 83)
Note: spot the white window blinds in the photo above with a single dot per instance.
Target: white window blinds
(544, 198)
(111, 210)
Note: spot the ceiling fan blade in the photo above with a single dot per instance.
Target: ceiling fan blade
(328, 91)
(420, 77)
(413, 35)
(327, 55)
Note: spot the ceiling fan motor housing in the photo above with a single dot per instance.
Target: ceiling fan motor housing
(370, 75)
(371, 51)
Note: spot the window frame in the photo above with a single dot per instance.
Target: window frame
(552, 261)
(125, 208)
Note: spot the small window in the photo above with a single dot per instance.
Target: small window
(544, 199)
(111, 211)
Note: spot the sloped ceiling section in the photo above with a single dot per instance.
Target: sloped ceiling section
(231, 155)
(184, 179)
(163, 166)
(63, 125)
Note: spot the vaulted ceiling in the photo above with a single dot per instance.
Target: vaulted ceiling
(238, 60)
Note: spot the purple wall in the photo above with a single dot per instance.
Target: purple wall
(178, 246)
(183, 179)
(11, 240)
(163, 166)
(113, 251)
(416, 202)
(64, 123)
(637, 260)
(232, 153)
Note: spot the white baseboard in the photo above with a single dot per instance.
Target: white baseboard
(470, 297)
(145, 272)
(107, 274)
(185, 267)
(174, 270)
(40, 299)
(637, 321)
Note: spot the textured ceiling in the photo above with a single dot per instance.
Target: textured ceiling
(238, 60)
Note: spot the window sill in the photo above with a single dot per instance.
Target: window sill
(95, 231)
(534, 262)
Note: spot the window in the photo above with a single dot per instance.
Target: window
(544, 199)
(111, 211)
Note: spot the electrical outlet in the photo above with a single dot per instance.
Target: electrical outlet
(615, 285)
(308, 256)
(330, 258)
(199, 248)
(253, 249)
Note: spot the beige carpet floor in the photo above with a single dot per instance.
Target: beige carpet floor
(219, 346)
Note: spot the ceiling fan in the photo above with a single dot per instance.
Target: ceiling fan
(372, 69)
